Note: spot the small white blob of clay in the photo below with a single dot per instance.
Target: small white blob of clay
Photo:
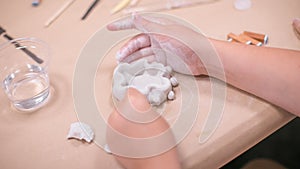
(81, 131)
(106, 149)
(242, 4)
(174, 81)
(171, 95)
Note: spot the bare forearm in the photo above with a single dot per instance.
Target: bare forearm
(269, 73)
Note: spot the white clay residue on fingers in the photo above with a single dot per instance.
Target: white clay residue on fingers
(151, 79)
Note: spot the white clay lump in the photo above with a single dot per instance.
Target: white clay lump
(174, 81)
(171, 95)
(151, 79)
(81, 131)
(107, 149)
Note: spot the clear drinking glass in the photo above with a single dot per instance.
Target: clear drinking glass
(23, 72)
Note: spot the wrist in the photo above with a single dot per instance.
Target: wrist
(212, 61)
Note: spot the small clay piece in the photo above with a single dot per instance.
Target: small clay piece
(174, 81)
(106, 149)
(171, 95)
(81, 131)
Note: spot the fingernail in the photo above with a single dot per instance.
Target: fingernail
(109, 27)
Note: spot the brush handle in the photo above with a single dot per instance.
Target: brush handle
(2, 30)
(25, 50)
(90, 9)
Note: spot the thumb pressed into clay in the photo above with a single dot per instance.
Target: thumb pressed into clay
(137, 100)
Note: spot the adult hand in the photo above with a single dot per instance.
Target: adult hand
(124, 136)
(161, 48)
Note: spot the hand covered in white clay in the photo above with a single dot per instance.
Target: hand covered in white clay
(164, 49)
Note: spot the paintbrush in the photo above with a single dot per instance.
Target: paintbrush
(25, 50)
(90, 9)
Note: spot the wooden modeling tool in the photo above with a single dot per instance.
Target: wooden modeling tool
(232, 37)
(253, 41)
(260, 37)
(59, 12)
